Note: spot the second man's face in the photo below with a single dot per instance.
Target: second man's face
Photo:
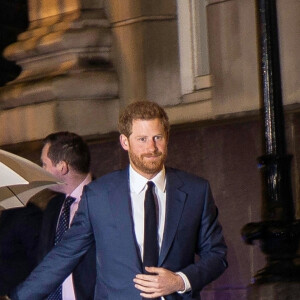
(146, 146)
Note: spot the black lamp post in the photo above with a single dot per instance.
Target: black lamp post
(278, 232)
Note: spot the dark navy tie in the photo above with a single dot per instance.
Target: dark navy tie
(62, 227)
(151, 248)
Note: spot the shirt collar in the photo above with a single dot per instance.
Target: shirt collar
(78, 191)
(138, 182)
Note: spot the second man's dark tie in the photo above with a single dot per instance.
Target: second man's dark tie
(62, 227)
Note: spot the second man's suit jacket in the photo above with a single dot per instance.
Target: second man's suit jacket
(19, 235)
(84, 274)
(104, 217)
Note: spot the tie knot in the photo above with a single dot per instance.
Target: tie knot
(150, 184)
(68, 202)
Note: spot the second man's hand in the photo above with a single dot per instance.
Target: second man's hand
(163, 282)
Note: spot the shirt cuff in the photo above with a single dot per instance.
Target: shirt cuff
(187, 285)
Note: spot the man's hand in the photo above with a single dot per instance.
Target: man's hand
(163, 282)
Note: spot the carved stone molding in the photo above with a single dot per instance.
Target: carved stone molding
(64, 54)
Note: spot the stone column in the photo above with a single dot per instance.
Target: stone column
(68, 81)
(146, 44)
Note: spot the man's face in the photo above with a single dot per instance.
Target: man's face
(51, 168)
(146, 146)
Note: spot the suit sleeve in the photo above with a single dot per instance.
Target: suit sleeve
(211, 248)
(60, 261)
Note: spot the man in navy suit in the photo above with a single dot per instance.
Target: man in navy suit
(112, 215)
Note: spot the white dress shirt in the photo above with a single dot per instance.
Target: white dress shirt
(138, 187)
(68, 292)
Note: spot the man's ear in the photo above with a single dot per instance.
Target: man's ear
(63, 167)
(124, 142)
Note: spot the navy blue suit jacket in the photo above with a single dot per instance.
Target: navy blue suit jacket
(104, 216)
(84, 274)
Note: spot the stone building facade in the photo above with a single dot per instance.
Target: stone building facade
(83, 60)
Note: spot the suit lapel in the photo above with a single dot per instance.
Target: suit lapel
(53, 216)
(48, 229)
(120, 203)
(174, 206)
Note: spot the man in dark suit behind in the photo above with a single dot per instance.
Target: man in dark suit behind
(114, 213)
(67, 156)
(19, 234)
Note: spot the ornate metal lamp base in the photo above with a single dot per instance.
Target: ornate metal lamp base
(279, 241)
